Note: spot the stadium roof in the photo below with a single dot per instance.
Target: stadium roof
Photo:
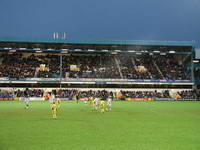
(102, 42)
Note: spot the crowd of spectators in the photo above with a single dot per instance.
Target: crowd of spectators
(154, 67)
(171, 68)
(31, 93)
(15, 66)
(146, 94)
(139, 68)
(72, 94)
(92, 66)
(6, 94)
(103, 94)
(19, 66)
(97, 66)
(188, 94)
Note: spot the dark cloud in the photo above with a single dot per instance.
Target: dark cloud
(105, 19)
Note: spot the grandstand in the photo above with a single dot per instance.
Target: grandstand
(158, 65)
(133, 75)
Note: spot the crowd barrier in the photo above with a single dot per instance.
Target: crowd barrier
(7, 98)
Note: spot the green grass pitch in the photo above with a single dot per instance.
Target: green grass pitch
(129, 126)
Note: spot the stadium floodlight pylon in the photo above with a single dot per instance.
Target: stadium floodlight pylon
(57, 35)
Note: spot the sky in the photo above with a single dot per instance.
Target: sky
(174, 20)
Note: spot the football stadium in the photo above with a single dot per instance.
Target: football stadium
(58, 94)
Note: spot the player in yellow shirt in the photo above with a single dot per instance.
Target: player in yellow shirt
(102, 106)
(54, 110)
(92, 101)
(58, 102)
